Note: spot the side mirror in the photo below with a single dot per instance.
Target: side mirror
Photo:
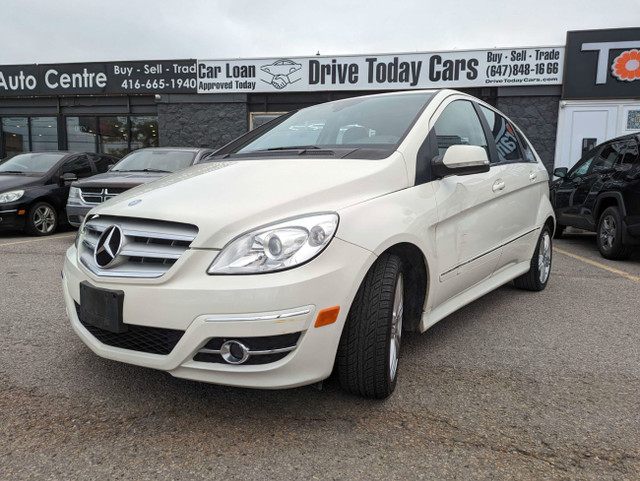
(110, 167)
(561, 172)
(68, 177)
(461, 160)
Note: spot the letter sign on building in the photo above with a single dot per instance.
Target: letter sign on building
(603, 64)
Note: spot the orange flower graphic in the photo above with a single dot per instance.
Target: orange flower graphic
(626, 66)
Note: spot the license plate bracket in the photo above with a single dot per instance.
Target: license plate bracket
(102, 308)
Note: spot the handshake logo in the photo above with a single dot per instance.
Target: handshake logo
(281, 73)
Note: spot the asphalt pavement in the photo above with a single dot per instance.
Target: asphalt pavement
(517, 385)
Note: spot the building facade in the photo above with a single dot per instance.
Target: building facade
(117, 107)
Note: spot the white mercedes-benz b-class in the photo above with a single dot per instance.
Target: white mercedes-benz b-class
(313, 243)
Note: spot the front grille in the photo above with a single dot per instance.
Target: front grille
(149, 247)
(153, 340)
(255, 344)
(97, 195)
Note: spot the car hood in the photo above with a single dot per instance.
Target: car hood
(9, 182)
(119, 179)
(225, 199)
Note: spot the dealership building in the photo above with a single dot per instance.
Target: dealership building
(566, 98)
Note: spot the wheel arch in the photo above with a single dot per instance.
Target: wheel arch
(551, 224)
(49, 199)
(415, 270)
(608, 199)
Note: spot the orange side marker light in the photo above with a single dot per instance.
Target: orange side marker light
(22, 212)
(327, 316)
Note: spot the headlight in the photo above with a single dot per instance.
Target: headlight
(11, 196)
(74, 192)
(82, 230)
(276, 247)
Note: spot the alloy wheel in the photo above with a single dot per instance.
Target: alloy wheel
(396, 327)
(44, 219)
(544, 257)
(608, 231)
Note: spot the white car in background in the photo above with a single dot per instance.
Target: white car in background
(296, 252)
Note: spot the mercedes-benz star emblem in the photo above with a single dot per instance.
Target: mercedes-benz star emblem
(108, 246)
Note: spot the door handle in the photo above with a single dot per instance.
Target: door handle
(533, 176)
(498, 185)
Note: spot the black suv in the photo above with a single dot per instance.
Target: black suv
(601, 193)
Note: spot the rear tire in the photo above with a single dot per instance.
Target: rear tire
(367, 360)
(609, 236)
(42, 219)
(538, 276)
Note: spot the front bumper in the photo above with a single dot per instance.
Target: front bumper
(10, 217)
(76, 211)
(205, 307)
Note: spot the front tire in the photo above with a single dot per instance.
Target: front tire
(42, 219)
(367, 360)
(538, 276)
(610, 235)
(559, 231)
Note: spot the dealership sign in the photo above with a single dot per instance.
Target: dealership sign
(476, 68)
(170, 76)
(603, 64)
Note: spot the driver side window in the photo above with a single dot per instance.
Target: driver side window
(77, 165)
(581, 168)
(459, 124)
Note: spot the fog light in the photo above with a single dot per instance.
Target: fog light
(234, 352)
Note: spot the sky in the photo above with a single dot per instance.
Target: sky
(57, 31)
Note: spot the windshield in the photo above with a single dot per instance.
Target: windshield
(154, 161)
(364, 122)
(33, 163)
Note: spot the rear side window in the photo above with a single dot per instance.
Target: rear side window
(458, 124)
(527, 151)
(102, 163)
(629, 157)
(606, 159)
(504, 135)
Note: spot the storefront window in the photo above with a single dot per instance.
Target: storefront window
(144, 132)
(113, 135)
(260, 118)
(81, 134)
(44, 133)
(15, 135)
(112, 132)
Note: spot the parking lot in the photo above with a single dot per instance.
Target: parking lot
(517, 385)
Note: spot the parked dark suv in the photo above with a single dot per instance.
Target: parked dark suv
(601, 193)
(34, 187)
(138, 167)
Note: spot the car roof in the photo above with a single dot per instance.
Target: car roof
(634, 136)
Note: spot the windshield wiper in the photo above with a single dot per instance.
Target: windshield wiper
(293, 147)
(18, 172)
(145, 170)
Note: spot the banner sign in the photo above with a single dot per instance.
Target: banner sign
(476, 68)
(161, 76)
(603, 64)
